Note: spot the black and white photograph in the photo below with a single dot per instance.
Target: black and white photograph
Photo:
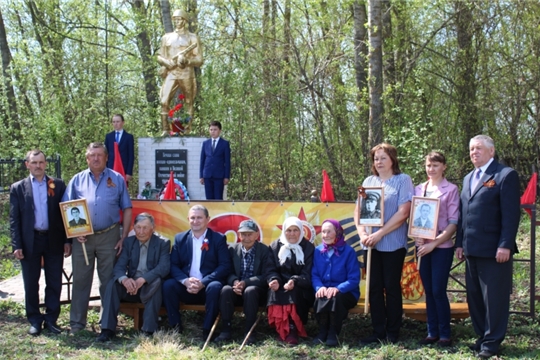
(76, 218)
(371, 206)
(423, 218)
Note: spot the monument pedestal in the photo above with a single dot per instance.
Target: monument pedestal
(148, 165)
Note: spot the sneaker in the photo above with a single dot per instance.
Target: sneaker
(225, 336)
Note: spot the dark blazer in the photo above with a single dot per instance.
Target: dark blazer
(158, 261)
(22, 219)
(418, 223)
(259, 265)
(215, 262)
(218, 164)
(73, 223)
(126, 146)
(489, 218)
(300, 274)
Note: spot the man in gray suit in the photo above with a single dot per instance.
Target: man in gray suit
(246, 285)
(137, 277)
(486, 238)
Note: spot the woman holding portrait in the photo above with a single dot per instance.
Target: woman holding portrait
(336, 279)
(437, 254)
(288, 273)
(388, 243)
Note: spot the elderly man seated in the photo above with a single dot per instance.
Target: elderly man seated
(247, 284)
(137, 277)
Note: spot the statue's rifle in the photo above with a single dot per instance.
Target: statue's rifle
(185, 51)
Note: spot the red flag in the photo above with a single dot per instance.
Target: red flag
(117, 166)
(529, 196)
(169, 193)
(327, 194)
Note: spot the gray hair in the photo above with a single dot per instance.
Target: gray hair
(34, 152)
(145, 216)
(486, 140)
(200, 208)
(96, 145)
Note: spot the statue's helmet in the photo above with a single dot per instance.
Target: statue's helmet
(180, 13)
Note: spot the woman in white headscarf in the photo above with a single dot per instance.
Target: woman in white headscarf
(290, 294)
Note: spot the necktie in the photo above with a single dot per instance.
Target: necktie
(475, 179)
(117, 136)
(213, 145)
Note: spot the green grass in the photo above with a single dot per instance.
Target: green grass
(521, 341)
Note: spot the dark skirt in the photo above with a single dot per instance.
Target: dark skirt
(298, 296)
(338, 306)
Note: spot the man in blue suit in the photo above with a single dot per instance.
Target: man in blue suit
(126, 146)
(486, 238)
(200, 264)
(37, 231)
(215, 166)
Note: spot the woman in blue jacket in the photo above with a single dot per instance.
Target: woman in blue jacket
(336, 278)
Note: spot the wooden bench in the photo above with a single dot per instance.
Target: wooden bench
(415, 311)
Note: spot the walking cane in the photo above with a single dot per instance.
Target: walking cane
(250, 331)
(211, 333)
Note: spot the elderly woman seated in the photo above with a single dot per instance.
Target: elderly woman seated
(289, 280)
(336, 279)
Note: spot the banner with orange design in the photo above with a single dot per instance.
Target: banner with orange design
(171, 219)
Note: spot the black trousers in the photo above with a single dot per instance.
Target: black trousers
(385, 299)
(251, 299)
(53, 262)
(489, 285)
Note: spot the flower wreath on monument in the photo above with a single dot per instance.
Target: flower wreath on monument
(179, 189)
(179, 117)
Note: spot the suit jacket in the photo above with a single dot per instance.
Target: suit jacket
(418, 223)
(126, 146)
(218, 164)
(158, 261)
(22, 218)
(215, 262)
(489, 218)
(73, 223)
(261, 257)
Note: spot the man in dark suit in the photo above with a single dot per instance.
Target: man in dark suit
(126, 146)
(200, 264)
(423, 220)
(215, 166)
(486, 238)
(137, 277)
(37, 231)
(247, 285)
(77, 220)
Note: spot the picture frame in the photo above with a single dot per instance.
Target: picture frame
(371, 205)
(423, 220)
(76, 218)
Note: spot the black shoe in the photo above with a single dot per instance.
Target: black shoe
(474, 347)
(225, 336)
(106, 335)
(52, 327)
(147, 334)
(332, 339)
(392, 339)
(321, 337)
(251, 340)
(485, 354)
(178, 328)
(34, 330)
(428, 341)
(371, 339)
(444, 343)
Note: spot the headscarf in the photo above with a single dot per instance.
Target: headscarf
(339, 240)
(286, 247)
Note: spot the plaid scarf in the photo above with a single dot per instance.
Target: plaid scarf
(248, 263)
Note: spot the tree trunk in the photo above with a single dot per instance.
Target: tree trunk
(375, 73)
(166, 15)
(12, 115)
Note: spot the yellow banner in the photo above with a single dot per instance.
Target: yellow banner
(171, 218)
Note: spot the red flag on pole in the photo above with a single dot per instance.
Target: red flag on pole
(169, 193)
(327, 194)
(117, 166)
(529, 196)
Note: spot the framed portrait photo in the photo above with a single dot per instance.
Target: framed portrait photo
(76, 218)
(424, 217)
(371, 204)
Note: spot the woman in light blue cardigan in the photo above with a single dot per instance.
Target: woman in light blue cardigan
(336, 277)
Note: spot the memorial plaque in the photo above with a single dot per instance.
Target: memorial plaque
(171, 160)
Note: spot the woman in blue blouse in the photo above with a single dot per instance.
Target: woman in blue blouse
(388, 243)
(336, 278)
